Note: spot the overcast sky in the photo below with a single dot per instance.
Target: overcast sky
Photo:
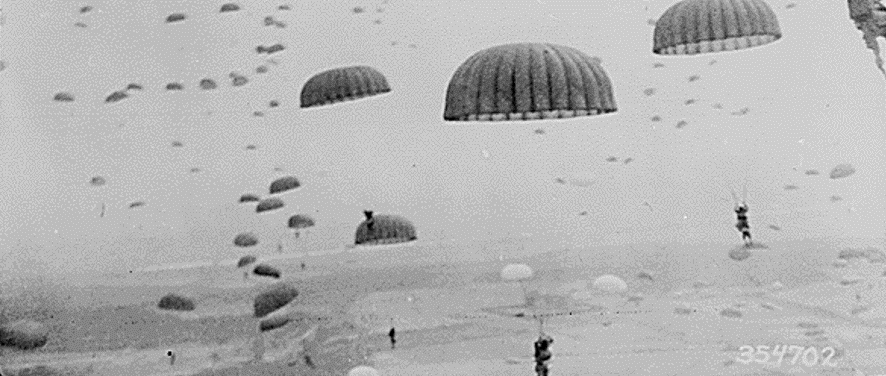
(814, 100)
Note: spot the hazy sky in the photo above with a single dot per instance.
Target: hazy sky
(812, 99)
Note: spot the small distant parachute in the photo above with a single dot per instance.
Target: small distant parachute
(270, 49)
(63, 97)
(266, 270)
(704, 26)
(85, 9)
(274, 322)
(246, 239)
(694, 78)
(246, 260)
(175, 17)
(358, 10)
(284, 7)
(681, 124)
(176, 302)
(249, 197)
(343, 84)
(250, 147)
(134, 86)
(136, 204)
(237, 79)
(384, 229)
(177, 144)
(276, 297)
(528, 81)
(363, 371)
(283, 184)
(229, 7)
(655, 118)
(811, 172)
(116, 96)
(208, 84)
(268, 204)
(298, 222)
(612, 159)
(842, 170)
(516, 272)
(273, 104)
(261, 69)
(269, 21)
(649, 91)
(174, 86)
(97, 181)
(610, 283)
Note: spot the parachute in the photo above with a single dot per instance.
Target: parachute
(63, 97)
(610, 283)
(841, 171)
(384, 229)
(299, 221)
(174, 86)
(272, 323)
(246, 260)
(246, 239)
(273, 299)
(229, 7)
(116, 96)
(267, 271)
(175, 17)
(520, 273)
(362, 371)
(208, 84)
(268, 204)
(343, 84)
(693, 27)
(248, 197)
(528, 81)
(97, 181)
(516, 272)
(283, 184)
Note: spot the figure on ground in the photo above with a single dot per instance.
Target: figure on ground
(542, 354)
(741, 212)
(393, 335)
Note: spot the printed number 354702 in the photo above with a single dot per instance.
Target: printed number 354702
(810, 355)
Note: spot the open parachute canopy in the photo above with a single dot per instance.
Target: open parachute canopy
(284, 184)
(274, 298)
(528, 81)
(516, 272)
(246, 260)
(610, 283)
(249, 197)
(343, 84)
(693, 27)
(298, 221)
(384, 229)
(266, 271)
(268, 204)
(363, 371)
(245, 239)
